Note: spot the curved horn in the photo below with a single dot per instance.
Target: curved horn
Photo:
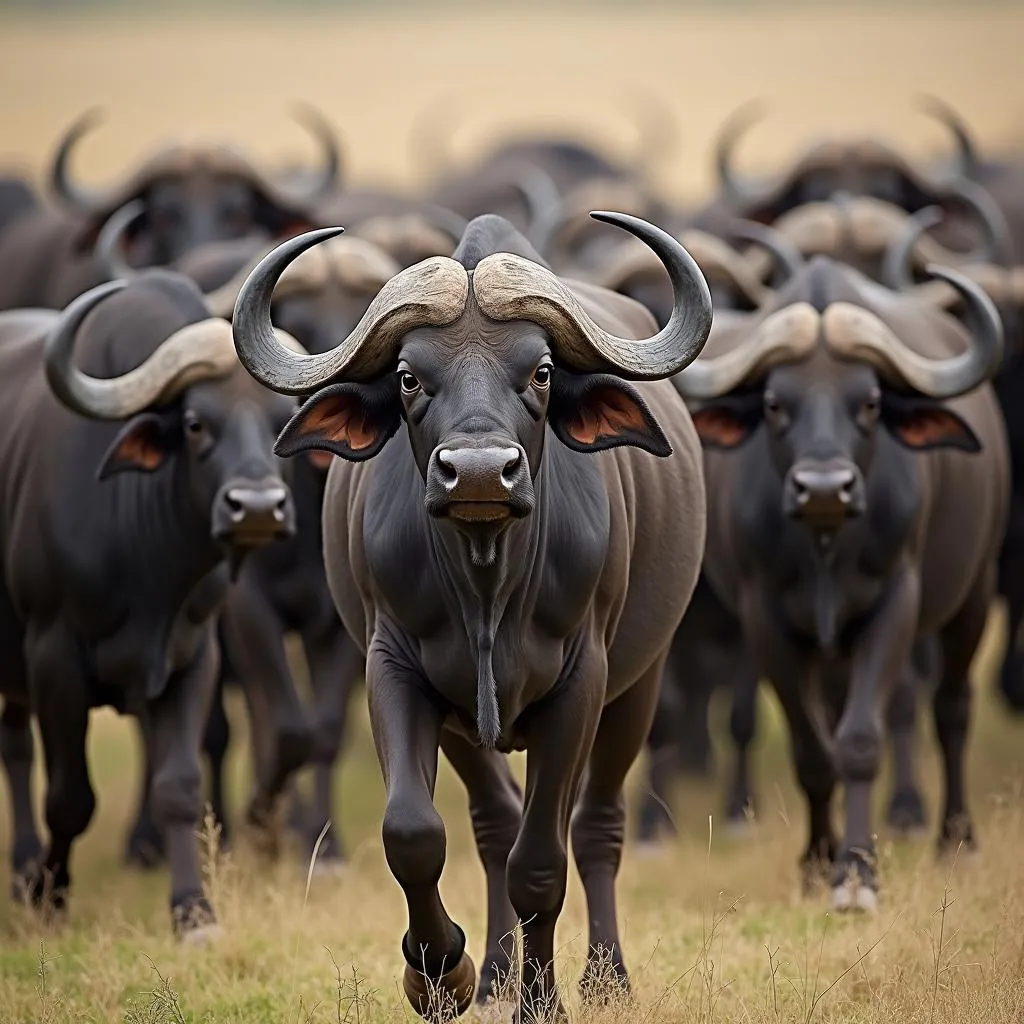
(997, 246)
(728, 136)
(509, 287)
(431, 293)
(541, 195)
(108, 249)
(856, 333)
(198, 351)
(787, 256)
(324, 134)
(967, 162)
(61, 185)
(786, 335)
(897, 266)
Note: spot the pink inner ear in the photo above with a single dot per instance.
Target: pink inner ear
(606, 412)
(929, 427)
(340, 418)
(716, 426)
(137, 448)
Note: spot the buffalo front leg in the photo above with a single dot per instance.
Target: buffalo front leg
(173, 727)
(952, 709)
(17, 753)
(60, 703)
(253, 635)
(439, 976)
(495, 807)
(216, 740)
(879, 656)
(598, 824)
(335, 665)
(559, 736)
(144, 847)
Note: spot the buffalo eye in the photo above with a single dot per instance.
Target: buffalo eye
(870, 408)
(194, 426)
(774, 412)
(541, 379)
(409, 383)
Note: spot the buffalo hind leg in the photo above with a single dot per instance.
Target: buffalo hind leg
(598, 824)
(216, 740)
(654, 820)
(952, 710)
(439, 975)
(742, 729)
(335, 665)
(174, 730)
(495, 807)
(17, 752)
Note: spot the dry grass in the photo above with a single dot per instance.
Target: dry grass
(714, 930)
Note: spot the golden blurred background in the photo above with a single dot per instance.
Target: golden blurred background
(482, 71)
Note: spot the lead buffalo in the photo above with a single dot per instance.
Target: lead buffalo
(511, 592)
(117, 532)
(857, 469)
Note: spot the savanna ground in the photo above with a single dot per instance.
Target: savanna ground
(714, 928)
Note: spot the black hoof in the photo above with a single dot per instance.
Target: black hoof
(193, 919)
(604, 979)
(906, 811)
(740, 809)
(495, 981)
(816, 866)
(854, 883)
(37, 887)
(957, 834)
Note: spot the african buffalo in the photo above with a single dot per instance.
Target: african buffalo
(125, 501)
(188, 194)
(857, 474)
(282, 588)
(488, 571)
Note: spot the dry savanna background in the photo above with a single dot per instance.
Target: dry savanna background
(715, 928)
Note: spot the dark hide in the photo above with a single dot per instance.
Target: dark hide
(548, 621)
(112, 585)
(832, 607)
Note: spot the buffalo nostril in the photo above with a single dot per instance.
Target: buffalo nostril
(447, 471)
(513, 456)
(235, 504)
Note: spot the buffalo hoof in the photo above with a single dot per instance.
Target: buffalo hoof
(604, 981)
(906, 813)
(957, 838)
(495, 981)
(194, 921)
(854, 896)
(448, 996)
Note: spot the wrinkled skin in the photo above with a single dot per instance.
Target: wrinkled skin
(114, 584)
(832, 591)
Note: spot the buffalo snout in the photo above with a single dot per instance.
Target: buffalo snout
(252, 513)
(824, 494)
(479, 481)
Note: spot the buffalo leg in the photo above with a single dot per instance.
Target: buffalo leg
(335, 665)
(254, 638)
(145, 845)
(655, 818)
(1011, 586)
(879, 656)
(174, 730)
(62, 711)
(17, 752)
(558, 740)
(407, 734)
(598, 823)
(216, 740)
(952, 710)
(742, 729)
(495, 807)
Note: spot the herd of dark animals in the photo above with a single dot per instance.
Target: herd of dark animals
(822, 486)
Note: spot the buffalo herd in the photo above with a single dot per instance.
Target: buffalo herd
(543, 458)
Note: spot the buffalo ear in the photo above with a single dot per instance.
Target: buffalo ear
(727, 422)
(921, 424)
(141, 445)
(353, 421)
(594, 411)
